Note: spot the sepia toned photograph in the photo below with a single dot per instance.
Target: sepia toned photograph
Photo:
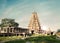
(29, 21)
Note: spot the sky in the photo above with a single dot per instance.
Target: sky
(48, 12)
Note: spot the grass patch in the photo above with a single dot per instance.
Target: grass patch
(9, 38)
(38, 39)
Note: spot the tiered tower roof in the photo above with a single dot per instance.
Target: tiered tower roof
(34, 23)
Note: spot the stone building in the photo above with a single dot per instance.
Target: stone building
(9, 27)
(10, 31)
(34, 25)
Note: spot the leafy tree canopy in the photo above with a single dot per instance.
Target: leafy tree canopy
(8, 22)
(58, 30)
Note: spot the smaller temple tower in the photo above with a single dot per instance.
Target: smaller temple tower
(34, 25)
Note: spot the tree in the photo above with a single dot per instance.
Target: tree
(58, 30)
(8, 22)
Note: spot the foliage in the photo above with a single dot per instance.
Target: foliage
(8, 22)
(58, 30)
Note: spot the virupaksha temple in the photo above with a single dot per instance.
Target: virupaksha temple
(33, 27)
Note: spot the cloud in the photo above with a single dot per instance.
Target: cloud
(47, 11)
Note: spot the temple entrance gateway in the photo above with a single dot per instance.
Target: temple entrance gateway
(34, 25)
(32, 31)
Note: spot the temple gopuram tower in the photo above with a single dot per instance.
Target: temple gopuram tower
(34, 25)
